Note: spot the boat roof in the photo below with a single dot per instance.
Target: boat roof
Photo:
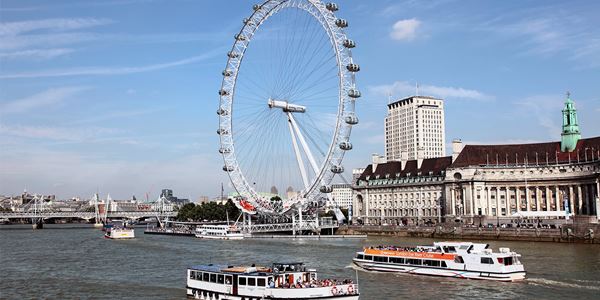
(219, 268)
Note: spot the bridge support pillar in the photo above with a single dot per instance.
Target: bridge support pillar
(37, 224)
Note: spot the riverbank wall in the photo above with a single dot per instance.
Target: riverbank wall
(573, 233)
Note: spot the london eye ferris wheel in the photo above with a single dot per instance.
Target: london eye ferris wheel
(287, 105)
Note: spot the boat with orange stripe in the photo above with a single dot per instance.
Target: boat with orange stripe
(449, 259)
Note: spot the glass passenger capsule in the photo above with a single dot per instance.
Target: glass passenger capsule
(341, 23)
(351, 119)
(346, 145)
(352, 67)
(332, 6)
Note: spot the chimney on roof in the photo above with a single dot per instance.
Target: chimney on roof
(457, 147)
(377, 159)
(403, 159)
(420, 156)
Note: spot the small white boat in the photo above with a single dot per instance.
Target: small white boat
(120, 233)
(449, 259)
(219, 232)
(281, 281)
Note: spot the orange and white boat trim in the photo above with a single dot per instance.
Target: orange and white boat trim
(449, 259)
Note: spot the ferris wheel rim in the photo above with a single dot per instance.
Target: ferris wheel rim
(345, 103)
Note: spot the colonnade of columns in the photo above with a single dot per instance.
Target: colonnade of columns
(505, 200)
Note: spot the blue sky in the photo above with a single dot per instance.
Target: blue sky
(120, 95)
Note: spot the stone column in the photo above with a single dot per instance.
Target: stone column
(453, 201)
(518, 198)
(538, 199)
(497, 202)
(579, 201)
(548, 198)
(527, 207)
(474, 203)
(507, 200)
(597, 200)
(571, 200)
(463, 201)
(487, 199)
(557, 200)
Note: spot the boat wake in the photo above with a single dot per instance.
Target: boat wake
(548, 282)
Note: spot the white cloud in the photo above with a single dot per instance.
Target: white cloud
(48, 97)
(405, 30)
(404, 88)
(544, 109)
(111, 70)
(550, 32)
(35, 54)
(16, 28)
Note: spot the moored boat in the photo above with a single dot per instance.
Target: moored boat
(219, 232)
(281, 281)
(449, 259)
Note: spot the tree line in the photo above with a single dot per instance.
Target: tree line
(209, 211)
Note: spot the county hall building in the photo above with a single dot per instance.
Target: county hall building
(486, 184)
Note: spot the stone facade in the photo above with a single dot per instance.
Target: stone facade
(400, 192)
(498, 183)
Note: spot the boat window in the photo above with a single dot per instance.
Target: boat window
(487, 260)
(192, 274)
(449, 249)
(380, 259)
(220, 279)
(397, 260)
(464, 247)
(252, 281)
(507, 261)
(228, 279)
(368, 257)
(205, 277)
(261, 282)
(432, 263)
(459, 260)
(360, 256)
(444, 264)
(414, 261)
(199, 276)
(242, 280)
(213, 277)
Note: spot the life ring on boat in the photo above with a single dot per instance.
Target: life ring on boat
(334, 290)
(351, 289)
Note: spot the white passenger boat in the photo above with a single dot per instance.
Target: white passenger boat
(219, 232)
(119, 233)
(281, 281)
(450, 259)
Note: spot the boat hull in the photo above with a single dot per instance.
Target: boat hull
(199, 294)
(120, 234)
(231, 237)
(443, 272)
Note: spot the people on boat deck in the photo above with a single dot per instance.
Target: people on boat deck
(311, 284)
(394, 248)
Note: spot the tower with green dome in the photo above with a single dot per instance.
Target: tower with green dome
(570, 128)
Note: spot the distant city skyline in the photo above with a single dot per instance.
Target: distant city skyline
(96, 98)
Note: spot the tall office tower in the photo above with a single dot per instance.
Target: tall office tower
(412, 124)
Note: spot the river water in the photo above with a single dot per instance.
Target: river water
(71, 262)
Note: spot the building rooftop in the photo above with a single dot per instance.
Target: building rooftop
(411, 97)
(531, 154)
(434, 165)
